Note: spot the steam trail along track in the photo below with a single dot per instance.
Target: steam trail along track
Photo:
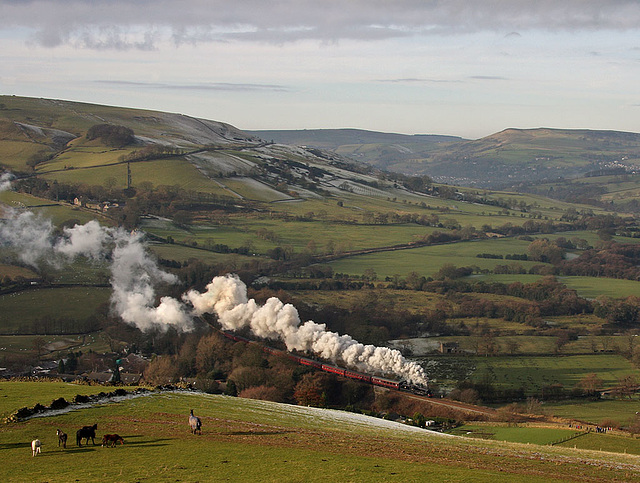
(458, 406)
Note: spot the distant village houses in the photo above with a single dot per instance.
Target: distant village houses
(103, 206)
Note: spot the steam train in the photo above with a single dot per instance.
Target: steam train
(417, 389)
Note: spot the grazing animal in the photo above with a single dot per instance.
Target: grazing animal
(35, 447)
(195, 423)
(111, 440)
(86, 432)
(62, 438)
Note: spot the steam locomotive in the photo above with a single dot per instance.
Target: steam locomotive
(417, 389)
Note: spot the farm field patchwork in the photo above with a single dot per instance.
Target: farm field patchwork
(588, 287)
(169, 172)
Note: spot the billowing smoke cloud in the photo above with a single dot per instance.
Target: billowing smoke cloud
(227, 298)
(134, 274)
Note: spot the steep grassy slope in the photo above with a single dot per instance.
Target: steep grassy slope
(246, 440)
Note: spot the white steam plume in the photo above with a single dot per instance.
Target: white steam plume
(134, 275)
(5, 181)
(227, 298)
(133, 272)
(29, 233)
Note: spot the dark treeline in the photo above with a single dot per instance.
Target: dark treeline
(111, 134)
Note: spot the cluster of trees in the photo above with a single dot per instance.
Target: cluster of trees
(154, 151)
(624, 312)
(110, 134)
(245, 370)
(611, 260)
(49, 325)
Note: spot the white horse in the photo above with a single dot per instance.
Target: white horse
(195, 423)
(35, 447)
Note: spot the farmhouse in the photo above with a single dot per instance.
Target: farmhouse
(449, 347)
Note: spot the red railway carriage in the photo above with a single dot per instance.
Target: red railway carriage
(333, 369)
(237, 338)
(380, 381)
(357, 375)
(309, 362)
(271, 350)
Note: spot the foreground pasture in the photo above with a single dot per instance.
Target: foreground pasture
(247, 440)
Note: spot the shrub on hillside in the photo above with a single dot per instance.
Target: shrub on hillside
(263, 392)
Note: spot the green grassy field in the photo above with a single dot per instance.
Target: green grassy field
(622, 411)
(605, 442)
(15, 395)
(22, 308)
(428, 260)
(246, 440)
(614, 443)
(589, 287)
(56, 345)
(170, 172)
(182, 253)
(241, 230)
(513, 434)
(532, 373)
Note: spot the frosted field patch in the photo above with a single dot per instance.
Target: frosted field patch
(280, 413)
(216, 162)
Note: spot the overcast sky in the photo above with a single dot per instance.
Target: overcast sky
(460, 67)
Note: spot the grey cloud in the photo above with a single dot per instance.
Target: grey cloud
(487, 77)
(213, 86)
(122, 24)
(417, 80)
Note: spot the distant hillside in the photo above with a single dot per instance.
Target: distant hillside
(69, 120)
(383, 150)
(335, 138)
(503, 159)
(525, 155)
(51, 138)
